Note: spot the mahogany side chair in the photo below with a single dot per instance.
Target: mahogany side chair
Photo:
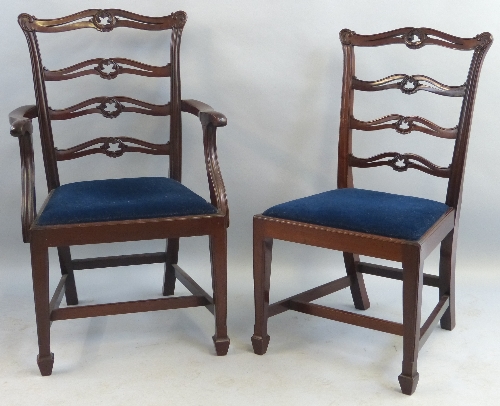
(118, 210)
(377, 224)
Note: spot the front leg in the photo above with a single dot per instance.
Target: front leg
(40, 271)
(218, 257)
(412, 303)
(262, 256)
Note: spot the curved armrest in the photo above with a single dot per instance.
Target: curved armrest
(205, 113)
(20, 120)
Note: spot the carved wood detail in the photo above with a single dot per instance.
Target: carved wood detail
(110, 107)
(103, 20)
(408, 85)
(100, 67)
(112, 147)
(415, 38)
(400, 163)
(404, 125)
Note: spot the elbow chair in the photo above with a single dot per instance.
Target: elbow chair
(117, 210)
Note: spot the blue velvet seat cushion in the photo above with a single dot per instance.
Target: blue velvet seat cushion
(121, 199)
(366, 211)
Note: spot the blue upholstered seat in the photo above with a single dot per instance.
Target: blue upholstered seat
(121, 199)
(366, 211)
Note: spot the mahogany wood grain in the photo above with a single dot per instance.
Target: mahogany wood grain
(193, 287)
(116, 18)
(310, 295)
(412, 304)
(404, 125)
(40, 274)
(169, 229)
(401, 82)
(58, 294)
(67, 269)
(171, 258)
(109, 309)
(394, 273)
(125, 144)
(447, 278)
(433, 318)
(218, 259)
(356, 282)
(410, 253)
(262, 256)
(347, 317)
(120, 260)
(117, 68)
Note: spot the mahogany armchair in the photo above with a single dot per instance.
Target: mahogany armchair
(117, 210)
(377, 224)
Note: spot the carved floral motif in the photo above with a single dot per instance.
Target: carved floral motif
(415, 38)
(103, 65)
(404, 125)
(107, 106)
(400, 163)
(110, 150)
(104, 20)
(409, 81)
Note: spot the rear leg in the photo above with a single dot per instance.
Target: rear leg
(67, 269)
(172, 257)
(447, 279)
(262, 256)
(358, 290)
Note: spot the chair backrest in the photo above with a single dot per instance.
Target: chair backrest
(110, 107)
(413, 38)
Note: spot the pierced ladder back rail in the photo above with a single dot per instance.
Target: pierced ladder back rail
(110, 107)
(123, 144)
(413, 38)
(408, 85)
(106, 68)
(116, 66)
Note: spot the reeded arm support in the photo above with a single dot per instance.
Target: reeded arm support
(22, 128)
(210, 120)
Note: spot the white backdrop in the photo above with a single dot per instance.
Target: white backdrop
(274, 68)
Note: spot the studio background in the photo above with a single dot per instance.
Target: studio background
(274, 68)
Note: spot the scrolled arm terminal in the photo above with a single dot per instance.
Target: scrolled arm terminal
(205, 113)
(20, 120)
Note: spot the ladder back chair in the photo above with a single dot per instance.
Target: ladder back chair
(118, 210)
(377, 224)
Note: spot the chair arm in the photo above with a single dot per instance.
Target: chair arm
(20, 120)
(205, 113)
(22, 128)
